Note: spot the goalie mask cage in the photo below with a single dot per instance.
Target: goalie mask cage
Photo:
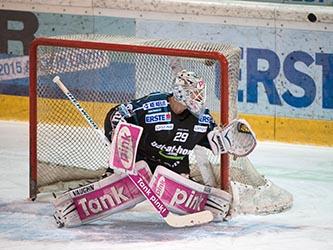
(102, 71)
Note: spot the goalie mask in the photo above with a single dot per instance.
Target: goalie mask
(190, 90)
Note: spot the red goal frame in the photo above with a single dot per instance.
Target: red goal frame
(224, 88)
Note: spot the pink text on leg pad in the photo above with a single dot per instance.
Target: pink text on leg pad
(178, 196)
(109, 197)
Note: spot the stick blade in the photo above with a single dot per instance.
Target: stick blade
(189, 220)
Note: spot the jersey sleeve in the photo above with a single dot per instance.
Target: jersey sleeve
(131, 112)
(204, 142)
(116, 114)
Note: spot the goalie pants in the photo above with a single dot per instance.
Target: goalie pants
(182, 168)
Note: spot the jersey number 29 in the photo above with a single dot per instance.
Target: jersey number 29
(181, 136)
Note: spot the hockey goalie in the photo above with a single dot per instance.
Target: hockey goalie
(151, 139)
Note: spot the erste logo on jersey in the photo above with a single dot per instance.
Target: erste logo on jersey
(158, 117)
(204, 119)
(155, 104)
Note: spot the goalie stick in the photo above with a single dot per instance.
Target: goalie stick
(171, 219)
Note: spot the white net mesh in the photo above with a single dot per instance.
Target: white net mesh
(68, 150)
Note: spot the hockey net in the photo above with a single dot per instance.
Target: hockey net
(102, 71)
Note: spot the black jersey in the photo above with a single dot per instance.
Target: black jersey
(167, 137)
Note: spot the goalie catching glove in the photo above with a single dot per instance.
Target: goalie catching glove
(237, 138)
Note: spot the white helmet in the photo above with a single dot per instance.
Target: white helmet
(190, 90)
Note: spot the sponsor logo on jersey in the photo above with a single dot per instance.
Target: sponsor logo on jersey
(171, 152)
(155, 104)
(160, 127)
(200, 129)
(154, 111)
(204, 119)
(158, 117)
(183, 129)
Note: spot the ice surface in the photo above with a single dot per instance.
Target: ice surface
(305, 171)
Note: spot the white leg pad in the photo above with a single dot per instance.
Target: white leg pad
(99, 199)
(184, 196)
